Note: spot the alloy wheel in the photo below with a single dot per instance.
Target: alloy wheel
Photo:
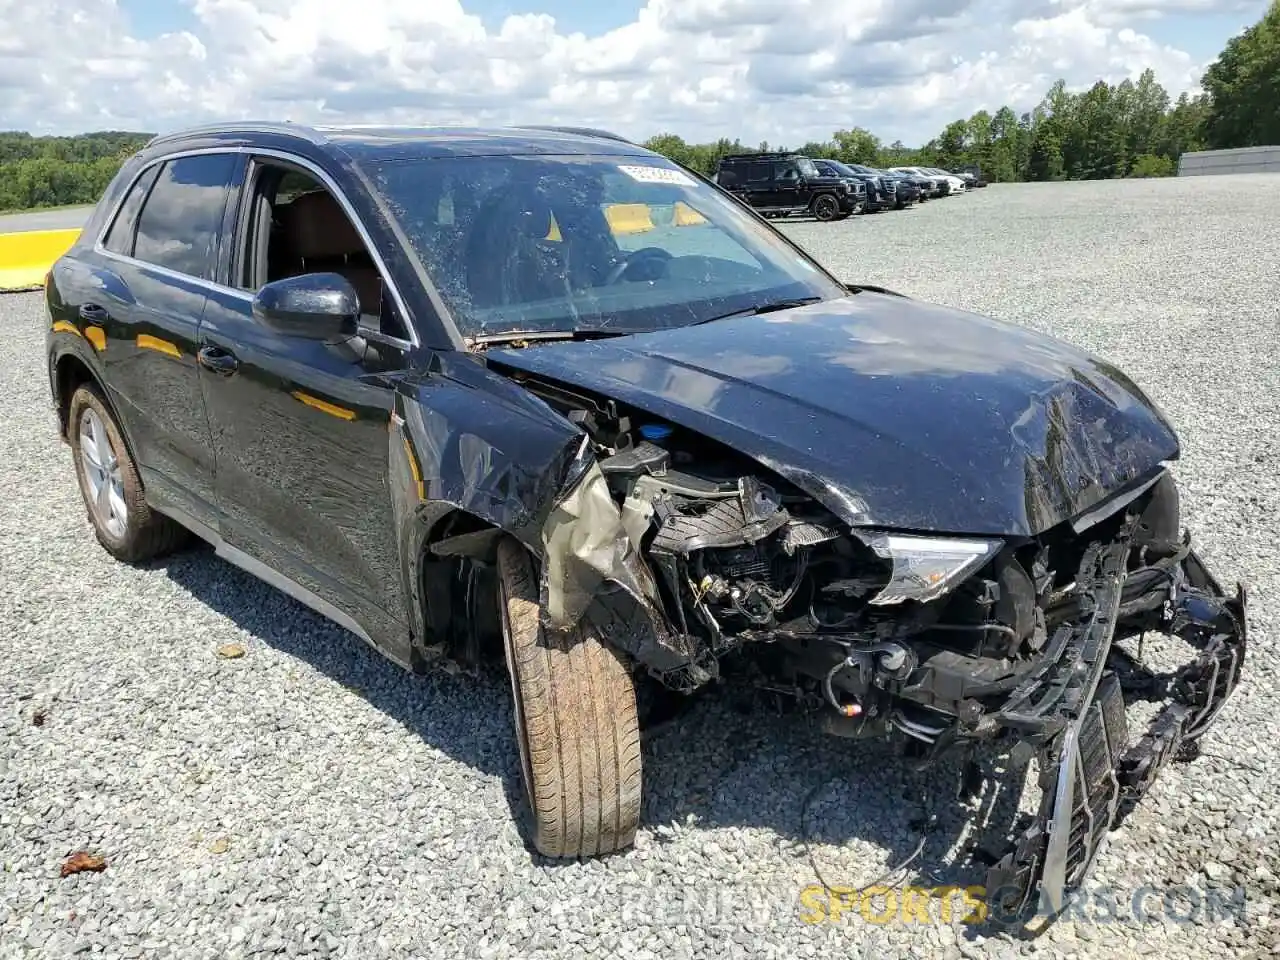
(101, 468)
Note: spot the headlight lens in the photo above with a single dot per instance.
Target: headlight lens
(925, 568)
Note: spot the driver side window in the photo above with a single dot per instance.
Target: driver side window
(294, 225)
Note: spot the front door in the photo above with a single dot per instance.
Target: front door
(301, 427)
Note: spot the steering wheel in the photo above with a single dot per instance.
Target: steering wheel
(631, 259)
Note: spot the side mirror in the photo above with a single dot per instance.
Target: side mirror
(314, 306)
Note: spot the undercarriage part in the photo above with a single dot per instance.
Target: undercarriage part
(871, 665)
(1090, 776)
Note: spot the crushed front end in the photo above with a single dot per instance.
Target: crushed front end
(700, 564)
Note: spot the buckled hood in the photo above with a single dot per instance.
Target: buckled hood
(889, 411)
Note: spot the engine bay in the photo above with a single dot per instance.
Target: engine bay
(938, 642)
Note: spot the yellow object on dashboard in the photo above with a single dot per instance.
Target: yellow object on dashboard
(629, 217)
(685, 216)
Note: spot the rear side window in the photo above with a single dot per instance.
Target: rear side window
(179, 224)
(119, 238)
(759, 172)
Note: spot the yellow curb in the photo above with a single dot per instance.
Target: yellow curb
(26, 257)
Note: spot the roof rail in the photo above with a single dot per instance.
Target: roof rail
(286, 128)
(580, 131)
(758, 155)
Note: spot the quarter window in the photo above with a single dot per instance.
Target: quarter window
(179, 224)
(119, 238)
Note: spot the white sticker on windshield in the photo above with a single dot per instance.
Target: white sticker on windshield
(657, 175)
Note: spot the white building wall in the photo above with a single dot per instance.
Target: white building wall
(1242, 160)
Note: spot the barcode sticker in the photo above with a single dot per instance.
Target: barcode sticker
(657, 175)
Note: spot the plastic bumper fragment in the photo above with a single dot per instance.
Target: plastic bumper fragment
(1090, 778)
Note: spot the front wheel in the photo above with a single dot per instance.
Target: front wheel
(826, 207)
(576, 723)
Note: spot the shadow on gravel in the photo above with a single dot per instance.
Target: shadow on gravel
(465, 716)
(851, 809)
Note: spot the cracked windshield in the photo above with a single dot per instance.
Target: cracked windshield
(620, 244)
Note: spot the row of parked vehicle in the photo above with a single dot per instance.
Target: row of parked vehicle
(790, 184)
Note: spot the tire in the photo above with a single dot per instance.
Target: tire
(125, 525)
(576, 723)
(826, 207)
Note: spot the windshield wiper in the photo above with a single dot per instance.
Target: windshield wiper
(771, 307)
(572, 333)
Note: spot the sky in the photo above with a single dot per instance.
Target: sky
(785, 71)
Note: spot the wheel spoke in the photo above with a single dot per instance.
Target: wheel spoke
(102, 498)
(115, 500)
(89, 446)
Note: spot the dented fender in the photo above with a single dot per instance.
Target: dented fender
(467, 444)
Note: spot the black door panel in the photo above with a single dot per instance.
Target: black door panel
(141, 300)
(150, 322)
(301, 434)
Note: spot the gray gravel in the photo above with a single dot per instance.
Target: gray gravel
(309, 799)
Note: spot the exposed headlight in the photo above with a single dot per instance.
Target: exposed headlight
(848, 187)
(925, 568)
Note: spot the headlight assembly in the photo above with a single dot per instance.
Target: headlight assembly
(925, 568)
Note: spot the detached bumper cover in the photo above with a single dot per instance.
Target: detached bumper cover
(1074, 711)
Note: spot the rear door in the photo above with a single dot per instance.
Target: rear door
(145, 291)
(787, 185)
(757, 184)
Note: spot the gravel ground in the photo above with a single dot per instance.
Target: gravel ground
(310, 799)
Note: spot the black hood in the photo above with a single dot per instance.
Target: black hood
(889, 411)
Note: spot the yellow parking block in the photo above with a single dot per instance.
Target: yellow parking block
(25, 258)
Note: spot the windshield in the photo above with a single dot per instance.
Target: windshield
(841, 169)
(539, 244)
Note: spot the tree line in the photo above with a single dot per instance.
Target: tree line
(1123, 130)
(55, 171)
(1129, 129)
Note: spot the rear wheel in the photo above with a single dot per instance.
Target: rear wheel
(576, 723)
(124, 524)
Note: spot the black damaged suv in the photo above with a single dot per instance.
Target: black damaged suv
(544, 395)
(787, 184)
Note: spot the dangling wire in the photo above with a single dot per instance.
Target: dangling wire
(901, 867)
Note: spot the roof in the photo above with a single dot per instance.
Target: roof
(374, 142)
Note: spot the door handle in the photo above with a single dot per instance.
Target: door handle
(92, 313)
(220, 361)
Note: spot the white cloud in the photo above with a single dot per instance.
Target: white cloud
(782, 70)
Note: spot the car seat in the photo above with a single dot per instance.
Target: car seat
(320, 238)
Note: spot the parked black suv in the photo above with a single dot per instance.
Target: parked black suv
(547, 397)
(784, 184)
(908, 189)
(880, 192)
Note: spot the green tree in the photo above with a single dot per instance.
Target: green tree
(857, 146)
(1148, 165)
(1243, 86)
(1045, 161)
(950, 147)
